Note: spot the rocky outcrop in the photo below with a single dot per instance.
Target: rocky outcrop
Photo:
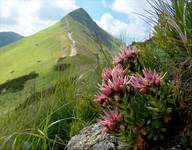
(93, 138)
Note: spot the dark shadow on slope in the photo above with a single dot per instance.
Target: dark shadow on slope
(17, 84)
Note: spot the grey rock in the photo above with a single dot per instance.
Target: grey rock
(93, 138)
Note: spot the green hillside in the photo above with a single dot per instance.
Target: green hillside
(9, 37)
(47, 52)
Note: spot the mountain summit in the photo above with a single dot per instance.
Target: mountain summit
(81, 16)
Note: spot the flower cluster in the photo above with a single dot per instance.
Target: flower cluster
(117, 94)
(117, 79)
(152, 77)
(112, 120)
(114, 81)
(126, 54)
(143, 84)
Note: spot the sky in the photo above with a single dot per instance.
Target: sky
(118, 17)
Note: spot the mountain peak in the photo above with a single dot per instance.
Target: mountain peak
(81, 16)
(78, 11)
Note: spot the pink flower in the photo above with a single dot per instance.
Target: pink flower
(101, 99)
(125, 55)
(112, 120)
(114, 81)
(143, 84)
(119, 78)
(119, 71)
(118, 83)
(140, 84)
(152, 77)
(107, 74)
(106, 89)
(128, 53)
(117, 60)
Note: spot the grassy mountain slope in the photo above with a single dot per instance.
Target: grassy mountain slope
(33, 53)
(42, 51)
(9, 37)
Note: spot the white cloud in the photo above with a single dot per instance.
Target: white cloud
(134, 30)
(131, 7)
(24, 16)
(135, 10)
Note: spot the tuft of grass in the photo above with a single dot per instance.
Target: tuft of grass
(172, 34)
(173, 27)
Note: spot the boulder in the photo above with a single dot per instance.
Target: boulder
(93, 138)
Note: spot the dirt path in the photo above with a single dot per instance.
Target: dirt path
(73, 45)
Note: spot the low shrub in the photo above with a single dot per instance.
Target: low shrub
(17, 84)
(61, 66)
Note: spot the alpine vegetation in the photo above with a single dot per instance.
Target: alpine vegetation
(135, 100)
